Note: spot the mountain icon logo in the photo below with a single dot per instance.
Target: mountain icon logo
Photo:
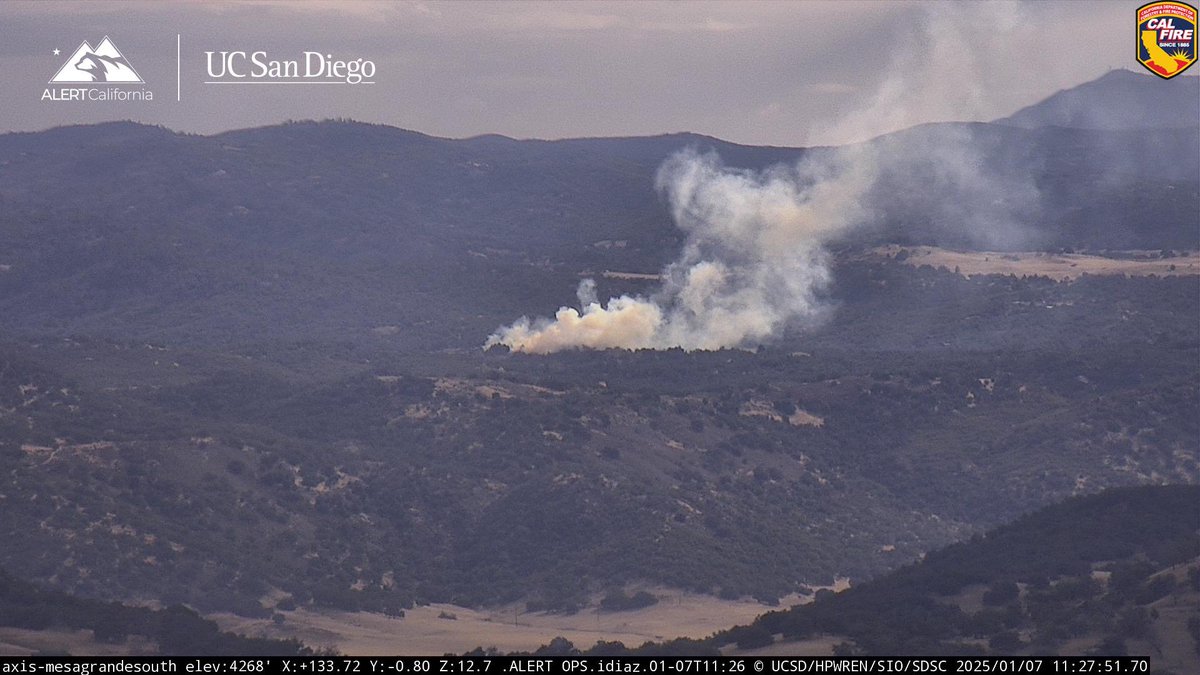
(105, 63)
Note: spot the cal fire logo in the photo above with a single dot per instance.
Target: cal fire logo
(1166, 40)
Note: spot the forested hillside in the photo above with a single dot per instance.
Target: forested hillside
(245, 371)
(1116, 573)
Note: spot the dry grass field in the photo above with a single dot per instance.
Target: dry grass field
(1058, 266)
(441, 628)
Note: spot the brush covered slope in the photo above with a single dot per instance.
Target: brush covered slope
(246, 369)
(1111, 574)
(370, 478)
(36, 621)
(339, 231)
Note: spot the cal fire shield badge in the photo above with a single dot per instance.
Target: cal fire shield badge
(1166, 37)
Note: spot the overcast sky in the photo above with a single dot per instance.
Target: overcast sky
(787, 73)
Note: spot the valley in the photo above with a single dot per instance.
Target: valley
(442, 628)
(248, 383)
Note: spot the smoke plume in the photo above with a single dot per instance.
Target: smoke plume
(753, 261)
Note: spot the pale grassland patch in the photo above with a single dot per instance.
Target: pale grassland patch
(803, 418)
(756, 408)
(1058, 266)
(508, 628)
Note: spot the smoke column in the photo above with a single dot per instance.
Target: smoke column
(753, 261)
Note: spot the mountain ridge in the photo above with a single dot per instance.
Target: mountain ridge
(247, 369)
(1108, 574)
(1119, 99)
(268, 218)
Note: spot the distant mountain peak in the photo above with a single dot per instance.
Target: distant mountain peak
(1120, 99)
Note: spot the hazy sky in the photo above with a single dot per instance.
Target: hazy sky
(786, 73)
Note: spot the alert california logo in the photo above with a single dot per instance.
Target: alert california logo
(105, 68)
(1166, 37)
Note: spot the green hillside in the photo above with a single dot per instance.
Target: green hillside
(175, 630)
(1109, 574)
(244, 371)
(1116, 573)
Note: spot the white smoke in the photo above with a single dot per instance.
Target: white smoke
(753, 262)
